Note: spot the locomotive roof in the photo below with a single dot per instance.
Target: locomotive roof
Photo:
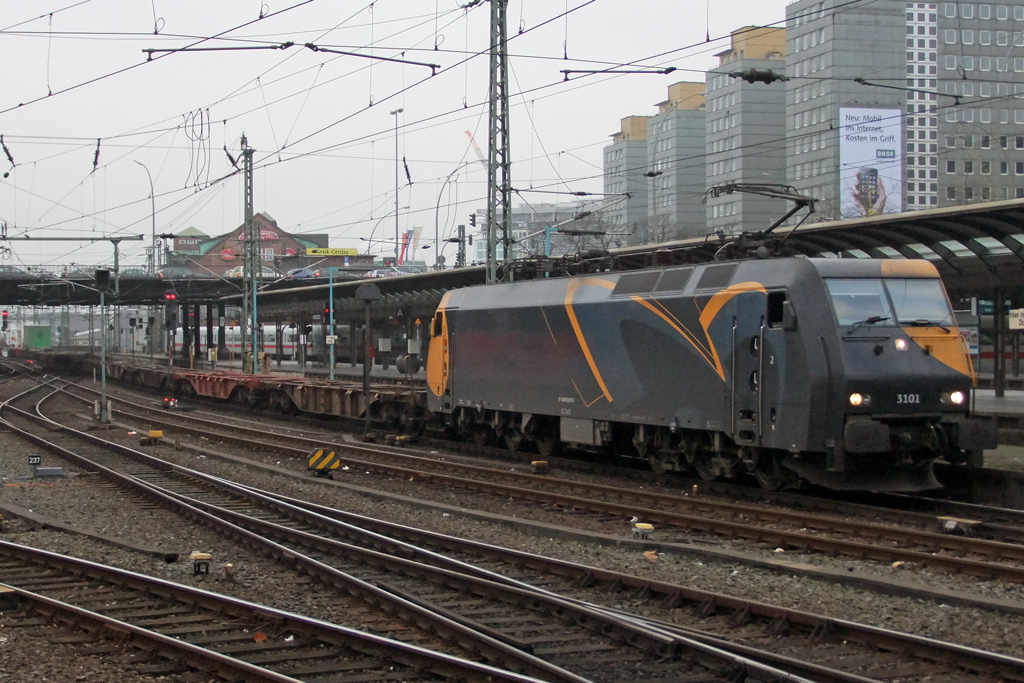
(850, 267)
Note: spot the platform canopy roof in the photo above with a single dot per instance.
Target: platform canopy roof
(976, 248)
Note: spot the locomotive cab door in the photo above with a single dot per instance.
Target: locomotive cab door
(759, 357)
(748, 371)
(439, 355)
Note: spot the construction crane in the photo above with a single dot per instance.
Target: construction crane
(476, 148)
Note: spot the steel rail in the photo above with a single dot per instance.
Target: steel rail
(359, 641)
(467, 637)
(663, 646)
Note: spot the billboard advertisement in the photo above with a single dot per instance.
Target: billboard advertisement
(870, 161)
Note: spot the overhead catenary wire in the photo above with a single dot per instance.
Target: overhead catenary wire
(279, 151)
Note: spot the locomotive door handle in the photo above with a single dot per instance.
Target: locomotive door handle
(760, 383)
(732, 406)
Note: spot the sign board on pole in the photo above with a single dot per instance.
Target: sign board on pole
(322, 251)
(1017, 319)
(332, 339)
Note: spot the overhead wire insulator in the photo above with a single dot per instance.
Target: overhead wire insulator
(765, 76)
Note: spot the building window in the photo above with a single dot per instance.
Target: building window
(1018, 168)
(1001, 13)
(950, 36)
(950, 192)
(984, 37)
(967, 11)
(967, 36)
(950, 10)
(1004, 168)
(968, 193)
(968, 62)
(1001, 38)
(950, 166)
(968, 168)
(1018, 13)
(986, 168)
(1018, 142)
(1019, 194)
(986, 193)
(984, 12)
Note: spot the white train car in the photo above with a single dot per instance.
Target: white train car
(233, 341)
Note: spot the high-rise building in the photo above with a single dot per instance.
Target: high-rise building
(890, 106)
(675, 153)
(625, 162)
(981, 86)
(955, 72)
(659, 161)
(840, 145)
(745, 130)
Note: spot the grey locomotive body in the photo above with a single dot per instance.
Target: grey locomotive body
(844, 372)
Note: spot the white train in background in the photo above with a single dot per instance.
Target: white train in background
(291, 340)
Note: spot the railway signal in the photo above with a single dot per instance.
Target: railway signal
(170, 309)
(472, 219)
(5, 321)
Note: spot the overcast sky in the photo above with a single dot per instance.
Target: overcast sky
(76, 72)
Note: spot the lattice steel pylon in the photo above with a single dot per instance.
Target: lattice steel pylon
(499, 162)
(252, 266)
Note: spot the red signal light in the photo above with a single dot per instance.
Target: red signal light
(5, 314)
(170, 296)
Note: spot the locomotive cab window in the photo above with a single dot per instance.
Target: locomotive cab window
(860, 300)
(438, 325)
(919, 302)
(894, 301)
(776, 305)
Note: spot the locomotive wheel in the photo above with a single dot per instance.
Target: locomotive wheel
(481, 434)
(704, 463)
(513, 438)
(768, 471)
(547, 441)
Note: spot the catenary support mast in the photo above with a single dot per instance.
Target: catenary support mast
(499, 180)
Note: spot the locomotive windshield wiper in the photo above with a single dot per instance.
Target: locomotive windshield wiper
(925, 323)
(868, 321)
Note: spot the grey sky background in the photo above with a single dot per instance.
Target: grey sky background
(75, 72)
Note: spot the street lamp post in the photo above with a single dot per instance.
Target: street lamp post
(395, 113)
(152, 196)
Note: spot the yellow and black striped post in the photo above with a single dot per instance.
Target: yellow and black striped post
(323, 460)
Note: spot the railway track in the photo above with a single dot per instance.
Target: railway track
(504, 623)
(920, 512)
(986, 558)
(182, 627)
(804, 644)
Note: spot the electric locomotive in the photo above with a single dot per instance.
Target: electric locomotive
(847, 373)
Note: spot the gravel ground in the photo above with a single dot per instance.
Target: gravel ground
(77, 500)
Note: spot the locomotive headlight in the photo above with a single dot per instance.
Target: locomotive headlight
(859, 399)
(901, 344)
(956, 397)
